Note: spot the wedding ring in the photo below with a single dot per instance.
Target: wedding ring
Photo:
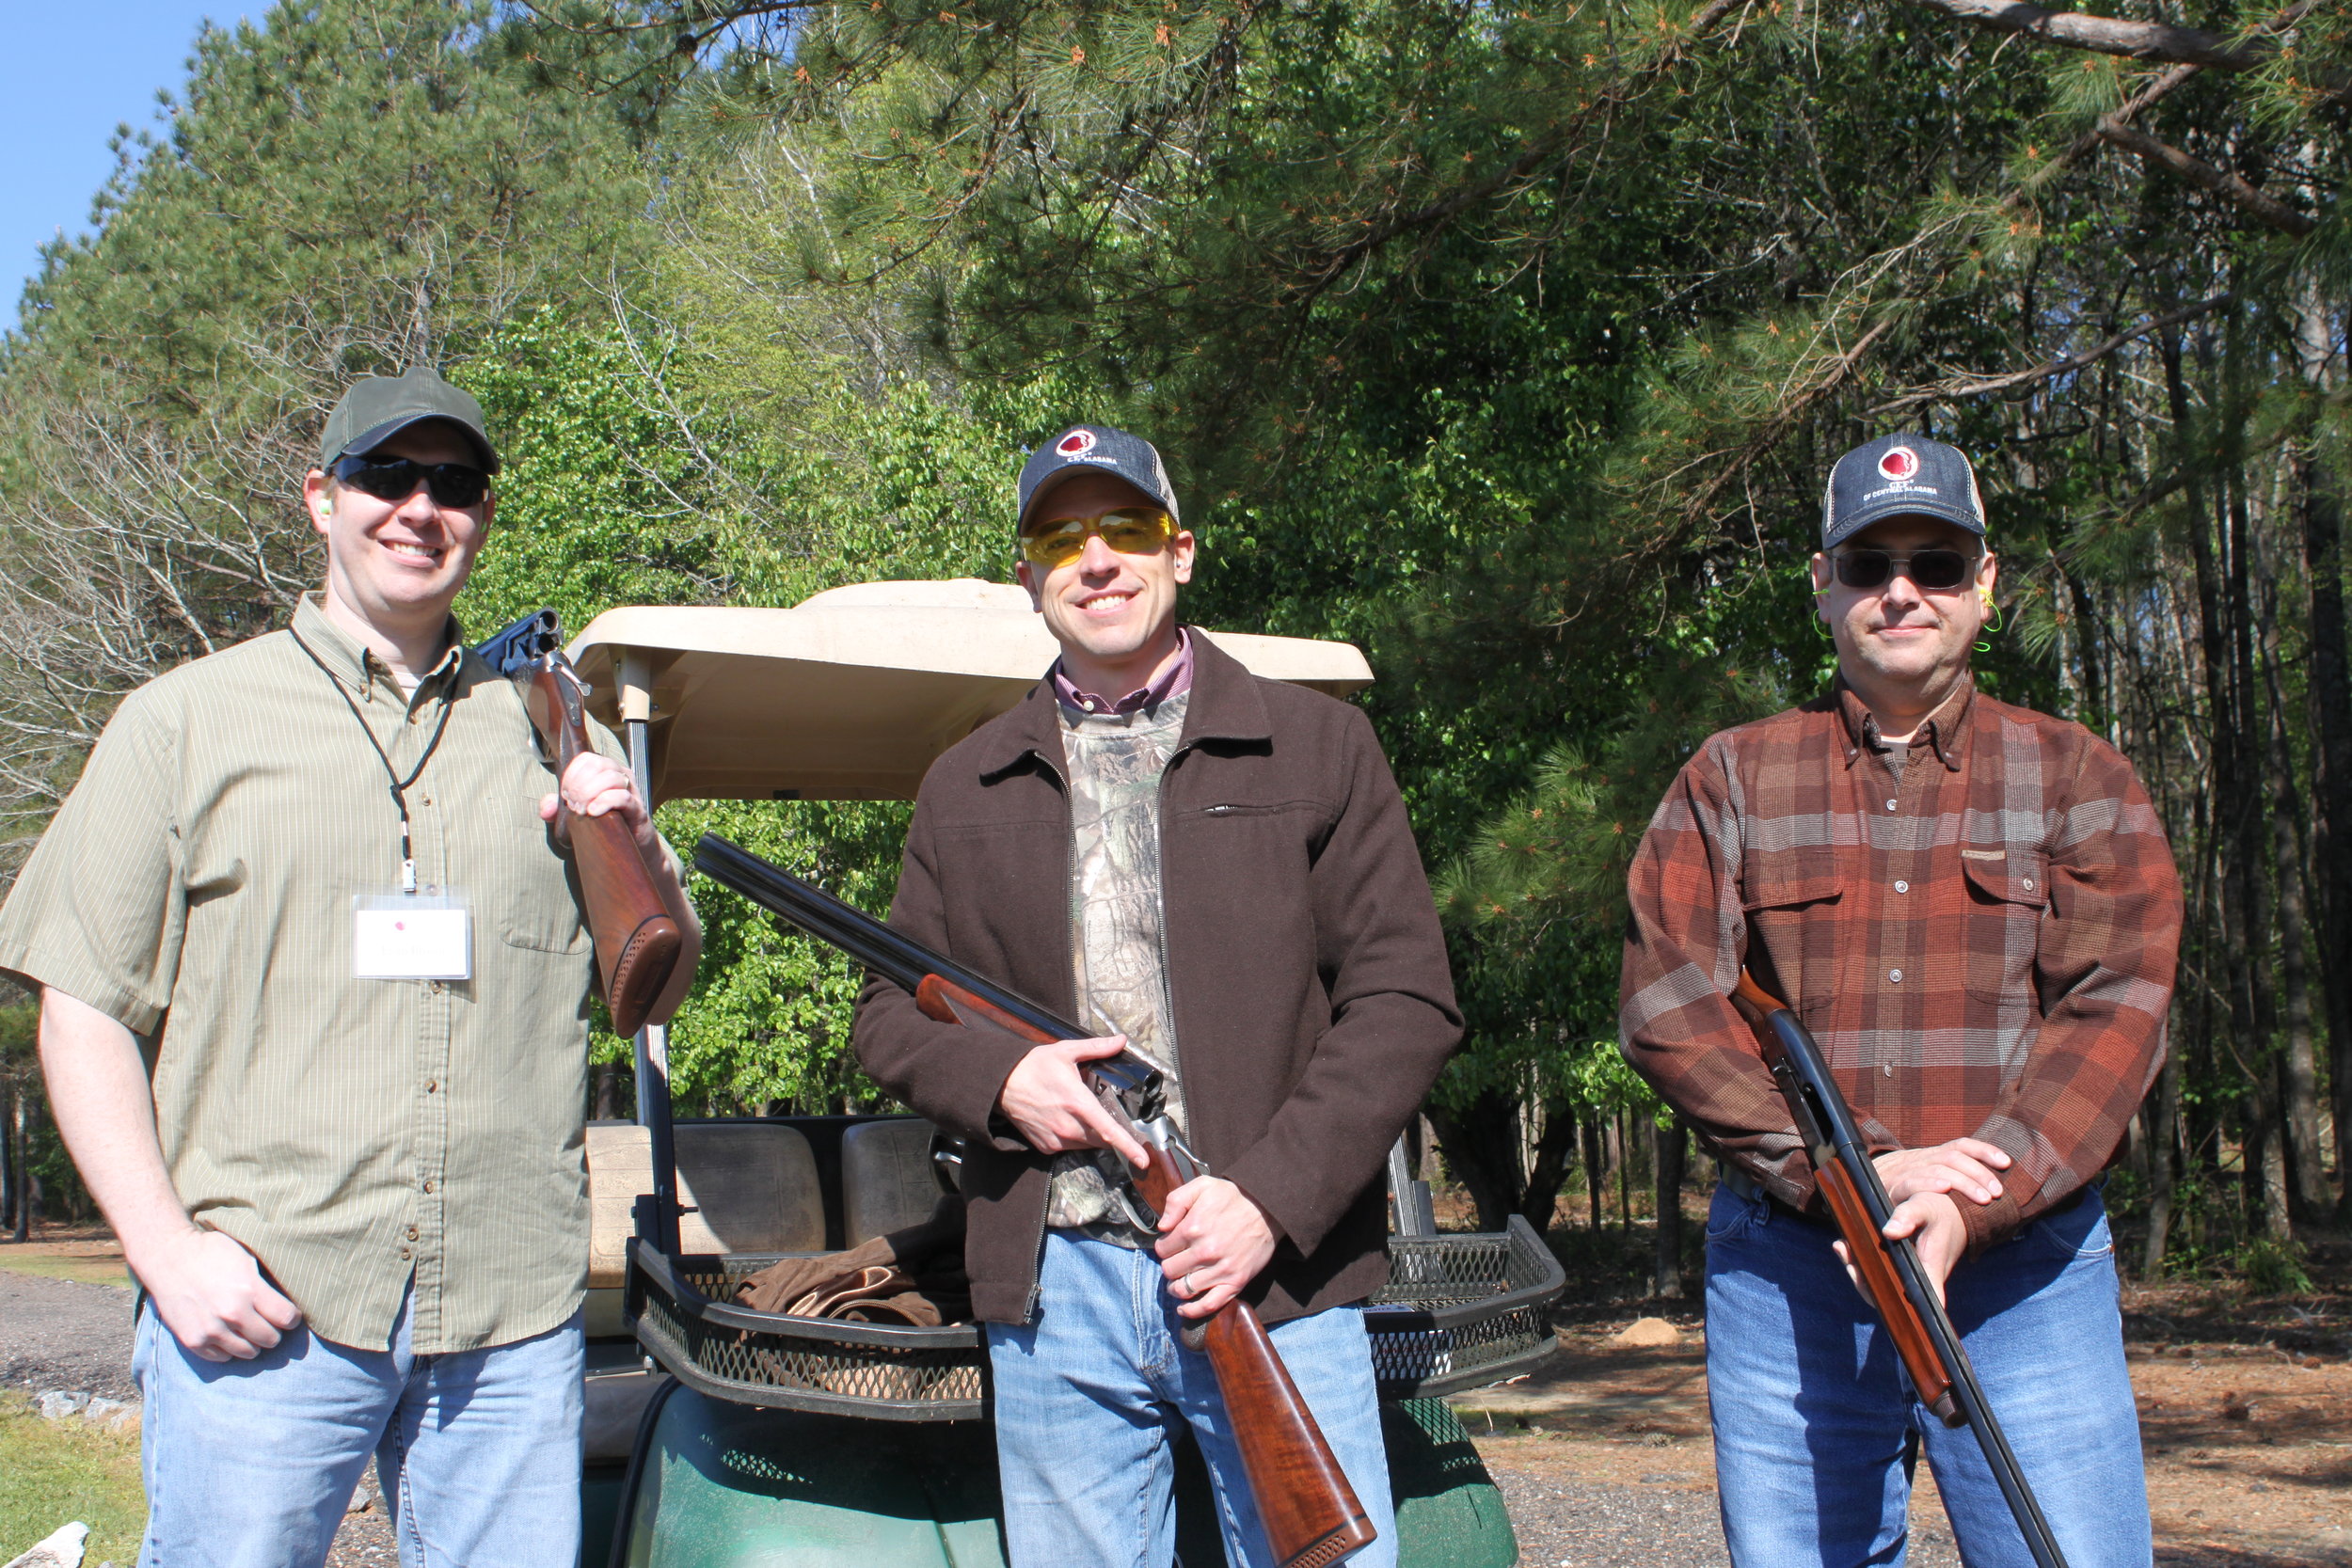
(1188, 1288)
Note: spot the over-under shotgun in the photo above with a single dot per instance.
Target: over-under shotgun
(1311, 1514)
(637, 940)
(1890, 1271)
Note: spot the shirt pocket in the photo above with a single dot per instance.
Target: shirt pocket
(2007, 892)
(1782, 894)
(535, 907)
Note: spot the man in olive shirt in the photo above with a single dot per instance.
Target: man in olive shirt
(354, 1189)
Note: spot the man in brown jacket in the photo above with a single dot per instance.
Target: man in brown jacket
(1216, 870)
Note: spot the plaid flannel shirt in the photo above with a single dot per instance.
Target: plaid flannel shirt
(1982, 944)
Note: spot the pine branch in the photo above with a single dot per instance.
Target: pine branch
(1779, 423)
(2222, 183)
(1969, 387)
(2106, 35)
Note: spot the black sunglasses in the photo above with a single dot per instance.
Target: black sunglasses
(1933, 570)
(395, 479)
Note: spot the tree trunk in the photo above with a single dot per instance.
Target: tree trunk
(11, 1176)
(607, 1091)
(1674, 1150)
(1593, 1173)
(2331, 793)
(21, 1116)
(1481, 1145)
(1554, 1146)
(2307, 1179)
(2164, 1136)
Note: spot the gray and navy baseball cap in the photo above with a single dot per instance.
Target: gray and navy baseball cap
(374, 410)
(1095, 445)
(1899, 476)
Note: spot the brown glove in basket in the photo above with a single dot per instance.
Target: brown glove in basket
(913, 1276)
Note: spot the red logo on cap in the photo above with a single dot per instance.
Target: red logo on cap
(1076, 444)
(1899, 464)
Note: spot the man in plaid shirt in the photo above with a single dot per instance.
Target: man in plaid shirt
(1973, 908)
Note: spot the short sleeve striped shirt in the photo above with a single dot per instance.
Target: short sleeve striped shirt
(1982, 942)
(197, 887)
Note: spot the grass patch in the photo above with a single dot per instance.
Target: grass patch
(55, 1472)
(50, 1265)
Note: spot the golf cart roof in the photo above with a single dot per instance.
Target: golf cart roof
(853, 693)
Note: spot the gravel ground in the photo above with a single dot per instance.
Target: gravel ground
(61, 1334)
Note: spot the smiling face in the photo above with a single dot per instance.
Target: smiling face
(1900, 648)
(397, 564)
(1114, 615)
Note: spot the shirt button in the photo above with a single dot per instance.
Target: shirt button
(428, 1186)
(1895, 977)
(412, 1232)
(2029, 884)
(1902, 887)
(1890, 805)
(434, 986)
(404, 1252)
(1886, 1069)
(432, 1086)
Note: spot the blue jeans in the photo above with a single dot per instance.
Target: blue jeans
(1817, 1428)
(250, 1464)
(1090, 1397)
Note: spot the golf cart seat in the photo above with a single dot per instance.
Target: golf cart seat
(887, 1180)
(762, 1197)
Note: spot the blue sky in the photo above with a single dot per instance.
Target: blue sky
(69, 75)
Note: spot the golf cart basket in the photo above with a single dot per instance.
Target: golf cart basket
(1460, 1311)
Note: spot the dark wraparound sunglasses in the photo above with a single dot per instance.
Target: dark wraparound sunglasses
(1933, 570)
(395, 479)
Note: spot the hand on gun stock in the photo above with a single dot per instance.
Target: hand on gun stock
(1927, 1186)
(1214, 1241)
(596, 786)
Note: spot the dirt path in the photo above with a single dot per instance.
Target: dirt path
(1604, 1459)
(2248, 1445)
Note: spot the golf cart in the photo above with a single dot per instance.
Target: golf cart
(719, 1437)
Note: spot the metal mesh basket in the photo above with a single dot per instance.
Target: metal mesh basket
(686, 1317)
(1458, 1312)
(1462, 1311)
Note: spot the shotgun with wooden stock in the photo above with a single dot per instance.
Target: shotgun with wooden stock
(1311, 1514)
(637, 940)
(1890, 1271)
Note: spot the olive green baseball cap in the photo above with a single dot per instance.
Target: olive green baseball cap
(374, 410)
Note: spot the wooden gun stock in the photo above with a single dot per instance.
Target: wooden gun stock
(1864, 1244)
(637, 941)
(1311, 1514)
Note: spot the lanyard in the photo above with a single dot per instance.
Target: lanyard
(400, 786)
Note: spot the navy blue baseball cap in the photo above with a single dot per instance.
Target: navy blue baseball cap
(1095, 445)
(1899, 476)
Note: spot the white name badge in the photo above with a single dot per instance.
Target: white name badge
(412, 936)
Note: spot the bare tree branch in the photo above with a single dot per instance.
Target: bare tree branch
(1978, 385)
(2222, 183)
(2106, 35)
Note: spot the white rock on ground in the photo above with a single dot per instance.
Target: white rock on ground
(55, 1405)
(62, 1550)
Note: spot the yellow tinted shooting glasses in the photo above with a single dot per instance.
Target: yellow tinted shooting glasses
(1130, 530)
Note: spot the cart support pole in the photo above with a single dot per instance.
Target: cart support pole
(1408, 1201)
(653, 1041)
